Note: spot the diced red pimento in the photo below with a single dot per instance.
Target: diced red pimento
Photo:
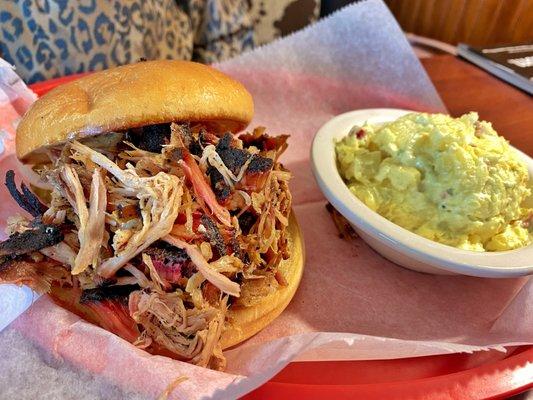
(360, 133)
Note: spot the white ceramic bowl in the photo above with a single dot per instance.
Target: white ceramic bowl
(390, 240)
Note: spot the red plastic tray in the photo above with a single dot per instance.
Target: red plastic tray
(482, 375)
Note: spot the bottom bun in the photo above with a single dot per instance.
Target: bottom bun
(244, 322)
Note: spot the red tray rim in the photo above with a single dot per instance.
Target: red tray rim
(493, 380)
(499, 379)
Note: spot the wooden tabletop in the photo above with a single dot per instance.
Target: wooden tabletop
(464, 87)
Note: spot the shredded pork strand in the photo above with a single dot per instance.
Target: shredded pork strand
(159, 201)
(156, 279)
(171, 387)
(210, 154)
(60, 252)
(185, 332)
(128, 177)
(125, 280)
(203, 190)
(141, 278)
(222, 282)
(74, 193)
(114, 204)
(37, 275)
(211, 339)
(91, 231)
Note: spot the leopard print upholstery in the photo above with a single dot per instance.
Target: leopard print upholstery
(50, 38)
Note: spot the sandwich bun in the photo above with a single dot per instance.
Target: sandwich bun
(145, 93)
(148, 93)
(244, 322)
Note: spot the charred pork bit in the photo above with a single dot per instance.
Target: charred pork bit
(246, 221)
(233, 158)
(221, 189)
(213, 235)
(109, 308)
(195, 142)
(260, 164)
(171, 263)
(257, 173)
(242, 166)
(195, 148)
(343, 226)
(37, 275)
(150, 138)
(181, 133)
(107, 293)
(25, 199)
(220, 281)
(264, 142)
(39, 237)
(235, 248)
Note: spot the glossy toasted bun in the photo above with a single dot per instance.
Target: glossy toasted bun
(245, 322)
(144, 93)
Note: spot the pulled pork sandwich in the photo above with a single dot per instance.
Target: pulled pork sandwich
(150, 217)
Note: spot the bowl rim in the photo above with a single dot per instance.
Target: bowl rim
(511, 263)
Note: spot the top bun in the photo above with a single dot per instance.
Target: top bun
(145, 93)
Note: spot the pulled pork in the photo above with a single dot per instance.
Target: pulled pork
(155, 236)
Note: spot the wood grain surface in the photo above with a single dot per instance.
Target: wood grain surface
(476, 22)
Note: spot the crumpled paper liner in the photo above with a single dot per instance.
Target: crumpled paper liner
(352, 304)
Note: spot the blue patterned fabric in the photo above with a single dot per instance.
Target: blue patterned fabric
(50, 38)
